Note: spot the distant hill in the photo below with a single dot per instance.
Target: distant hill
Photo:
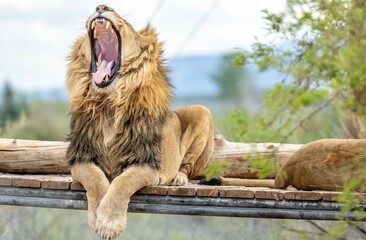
(191, 76)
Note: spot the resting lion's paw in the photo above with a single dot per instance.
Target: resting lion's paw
(110, 221)
(180, 179)
(110, 226)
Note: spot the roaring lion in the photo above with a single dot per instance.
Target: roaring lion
(124, 134)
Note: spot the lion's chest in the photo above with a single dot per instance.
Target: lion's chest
(109, 133)
(107, 127)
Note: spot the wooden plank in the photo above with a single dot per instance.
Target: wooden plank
(207, 191)
(237, 192)
(303, 195)
(186, 191)
(6, 180)
(154, 190)
(76, 186)
(57, 182)
(274, 194)
(48, 157)
(330, 196)
(26, 182)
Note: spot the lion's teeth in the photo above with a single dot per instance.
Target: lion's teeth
(107, 25)
(93, 25)
(106, 78)
(112, 30)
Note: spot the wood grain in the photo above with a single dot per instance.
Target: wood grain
(48, 157)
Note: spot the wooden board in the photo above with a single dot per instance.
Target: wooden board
(64, 182)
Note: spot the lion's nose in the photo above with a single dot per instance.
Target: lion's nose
(102, 8)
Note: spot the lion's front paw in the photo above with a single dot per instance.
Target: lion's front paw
(180, 179)
(110, 221)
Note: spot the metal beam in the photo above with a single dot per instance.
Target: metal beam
(228, 207)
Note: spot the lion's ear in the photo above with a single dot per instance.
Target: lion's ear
(147, 36)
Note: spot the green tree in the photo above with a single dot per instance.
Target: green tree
(45, 121)
(232, 81)
(318, 46)
(12, 105)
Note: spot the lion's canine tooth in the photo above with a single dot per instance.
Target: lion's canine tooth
(112, 30)
(93, 25)
(107, 77)
(107, 25)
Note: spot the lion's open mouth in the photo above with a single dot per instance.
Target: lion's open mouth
(105, 48)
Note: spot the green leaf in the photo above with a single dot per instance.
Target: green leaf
(239, 60)
(266, 167)
(215, 169)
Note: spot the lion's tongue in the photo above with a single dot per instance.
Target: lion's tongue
(103, 70)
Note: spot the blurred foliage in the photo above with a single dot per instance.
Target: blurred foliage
(240, 126)
(45, 121)
(318, 46)
(12, 105)
(215, 169)
(232, 81)
(266, 167)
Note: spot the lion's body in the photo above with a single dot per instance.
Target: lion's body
(326, 164)
(126, 136)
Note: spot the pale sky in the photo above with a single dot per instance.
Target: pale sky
(36, 36)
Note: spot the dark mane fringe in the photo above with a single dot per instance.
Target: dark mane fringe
(124, 127)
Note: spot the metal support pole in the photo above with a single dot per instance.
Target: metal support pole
(227, 207)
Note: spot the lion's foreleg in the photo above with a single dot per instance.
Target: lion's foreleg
(196, 143)
(112, 210)
(95, 183)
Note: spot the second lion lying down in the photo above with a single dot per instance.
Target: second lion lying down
(325, 164)
(124, 135)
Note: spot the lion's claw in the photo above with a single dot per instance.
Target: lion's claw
(180, 180)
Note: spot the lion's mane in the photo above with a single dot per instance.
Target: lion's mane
(120, 125)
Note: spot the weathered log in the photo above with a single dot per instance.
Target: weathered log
(31, 156)
(241, 155)
(48, 157)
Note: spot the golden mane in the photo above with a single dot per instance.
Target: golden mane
(141, 89)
